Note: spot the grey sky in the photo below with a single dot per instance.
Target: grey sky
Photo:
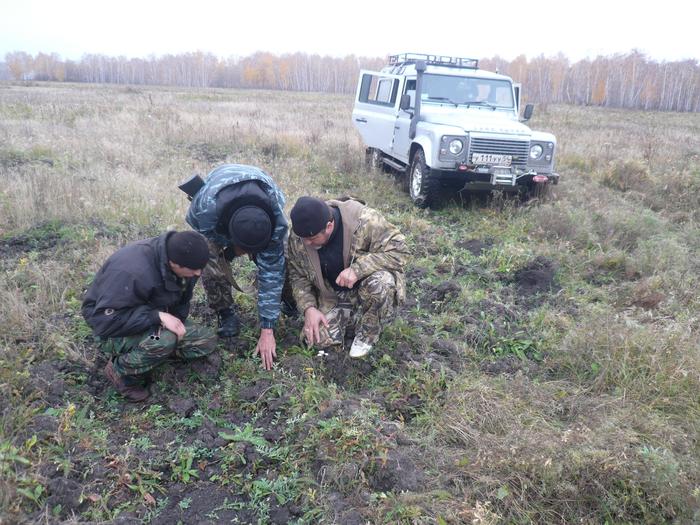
(138, 28)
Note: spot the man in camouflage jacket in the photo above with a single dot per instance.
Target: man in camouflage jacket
(346, 268)
(239, 209)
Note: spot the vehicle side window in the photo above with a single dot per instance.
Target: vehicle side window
(410, 90)
(377, 90)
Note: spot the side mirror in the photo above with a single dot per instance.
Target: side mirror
(527, 114)
(405, 102)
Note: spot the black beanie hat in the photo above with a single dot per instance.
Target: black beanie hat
(250, 228)
(309, 216)
(188, 249)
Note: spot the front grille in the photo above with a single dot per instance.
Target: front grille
(515, 148)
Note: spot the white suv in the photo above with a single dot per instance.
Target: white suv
(444, 123)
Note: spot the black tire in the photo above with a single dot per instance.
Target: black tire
(375, 159)
(537, 192)
(421, 182)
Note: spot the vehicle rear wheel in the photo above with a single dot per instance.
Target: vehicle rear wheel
(374, 159)
(422, 185)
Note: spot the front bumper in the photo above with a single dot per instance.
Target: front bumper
(498, 177)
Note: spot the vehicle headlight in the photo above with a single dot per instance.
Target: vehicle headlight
(535, 151)
(456, 146)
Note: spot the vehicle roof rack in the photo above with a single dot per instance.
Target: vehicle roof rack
(434, 60)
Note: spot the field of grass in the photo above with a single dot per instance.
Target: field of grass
(544, 369)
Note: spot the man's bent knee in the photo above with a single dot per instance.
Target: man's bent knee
(377, 285)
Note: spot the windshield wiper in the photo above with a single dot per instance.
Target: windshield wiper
(444, 99)
(478, 103)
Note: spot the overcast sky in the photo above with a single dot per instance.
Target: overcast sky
(138, 28)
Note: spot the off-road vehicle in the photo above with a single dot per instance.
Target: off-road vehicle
(442, 123)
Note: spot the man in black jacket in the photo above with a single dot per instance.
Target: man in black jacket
(138, 305)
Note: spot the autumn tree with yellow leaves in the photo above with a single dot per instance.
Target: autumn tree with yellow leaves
(630, 80)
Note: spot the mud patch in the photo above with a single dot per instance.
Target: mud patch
(416, 274)
(182, 406)
(43, 237)
(475, 246)
(43, 426)
(343, 510)
(406, 408)
(338, 367)
(202, 503)
(445, 291)
(446, 352)
(396, 472)
(64, 494)
(46, 380)
(50, 235)
(537, 278)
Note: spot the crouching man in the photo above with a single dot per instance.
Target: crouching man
(346, 267)
(138, 306)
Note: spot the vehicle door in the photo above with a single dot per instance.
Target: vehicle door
(376, 106)
(402, 143)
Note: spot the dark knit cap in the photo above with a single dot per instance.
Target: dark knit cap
(188, 249)
(309, 216)
(250, 228)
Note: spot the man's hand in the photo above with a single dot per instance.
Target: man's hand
(313, 317)
(347, 278)
(173, 324)
(266, 347)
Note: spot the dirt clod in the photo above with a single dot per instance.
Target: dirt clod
(64, 492)
(535, 278)
(183, 407)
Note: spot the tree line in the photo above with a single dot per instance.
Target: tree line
(629, 80)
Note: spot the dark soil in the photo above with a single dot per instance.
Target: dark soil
(396, 472)
(66, 493)
(535, 279)
(46, 380)
(475, 246)
(202, 503)
(445, 291)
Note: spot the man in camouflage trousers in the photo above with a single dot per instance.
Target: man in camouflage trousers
(138, 304)
(239, 209)
(346, 268)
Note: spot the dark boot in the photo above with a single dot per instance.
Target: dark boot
(229, 325)
(126, 386)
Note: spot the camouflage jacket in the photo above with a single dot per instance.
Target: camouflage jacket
(370, 243)
(203, 217)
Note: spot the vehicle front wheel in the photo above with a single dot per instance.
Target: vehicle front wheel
(537, 191)
(422, 186)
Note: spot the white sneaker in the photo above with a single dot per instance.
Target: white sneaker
(359, 348)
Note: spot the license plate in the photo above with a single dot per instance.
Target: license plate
(491, 159)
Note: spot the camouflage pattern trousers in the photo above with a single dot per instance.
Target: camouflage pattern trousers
(217, 279)
(138, 354)
(367, 308)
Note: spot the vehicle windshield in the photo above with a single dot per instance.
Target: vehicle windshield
(470, 91)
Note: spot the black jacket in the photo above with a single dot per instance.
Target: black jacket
(132, 287)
